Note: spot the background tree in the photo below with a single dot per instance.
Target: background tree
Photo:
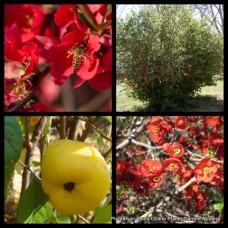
(214, 14)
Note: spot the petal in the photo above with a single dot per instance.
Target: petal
(78, 83)
(107, 60)
(88, 68)
(64, 15)
(102, 81)
(73, 37)
(93, 44)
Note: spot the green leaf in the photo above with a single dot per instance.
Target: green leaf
(103, 214)
(109, 118)
(60, 218)
(12, 148)
(100, 141)
(36, 163)
(219, 207)
(34, 207)
(85, 20)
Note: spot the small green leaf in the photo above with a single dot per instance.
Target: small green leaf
(156, 195)
(60, 218)
(103, 214)
(219, 207)
(109, 118)
(12, 148)
(36, 163)
(84, 20)
(34, 207)
(100, 141)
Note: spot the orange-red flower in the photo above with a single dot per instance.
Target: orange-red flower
(121, 167)
(174, 165)
(205, 170)
(213, 120)
(218, 178)
(155, 131)
(193, 118)
(149, 167)
(158, 126)
(132, 177)
(201, 204)
(155, 179)
(181, 123)
(176, 151)
(166, 147)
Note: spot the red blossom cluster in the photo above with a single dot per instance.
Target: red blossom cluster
(68, 39)
(199, 198)
(203, 135)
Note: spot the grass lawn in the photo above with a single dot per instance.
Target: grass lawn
(210, 99)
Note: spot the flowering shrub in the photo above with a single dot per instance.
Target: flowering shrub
(50, 44)
(167, 55)
(185, 161)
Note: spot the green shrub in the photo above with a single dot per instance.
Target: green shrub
(168, 56)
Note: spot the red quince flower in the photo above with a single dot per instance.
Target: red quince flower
(121, 209)
(133, 177)
(195, 188)
(157, 127)
(26, 54)
(174, 165)
(155, 179)
(166, 125)
(201, 204)
(149, 167)
(166, 147)
(176, 150)
(192, 191)
(64, 15)
(87, 62)
(121, 167)
(103, 78)
(193, 118)
(188, 173)
(102, 81)
(181, 123)
(213, 120)
(28, 18)
(156, 120)
(195, 132)
(155, 131)
(218, 178)
(205, 170)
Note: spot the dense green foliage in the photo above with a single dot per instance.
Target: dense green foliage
(167, 56)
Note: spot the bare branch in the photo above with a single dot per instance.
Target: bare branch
(201, 156)
(62, 127)
(146, 145)
(186, 185)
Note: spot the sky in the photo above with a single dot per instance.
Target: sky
(124, 9)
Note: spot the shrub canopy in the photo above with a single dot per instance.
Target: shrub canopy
(167, 56)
